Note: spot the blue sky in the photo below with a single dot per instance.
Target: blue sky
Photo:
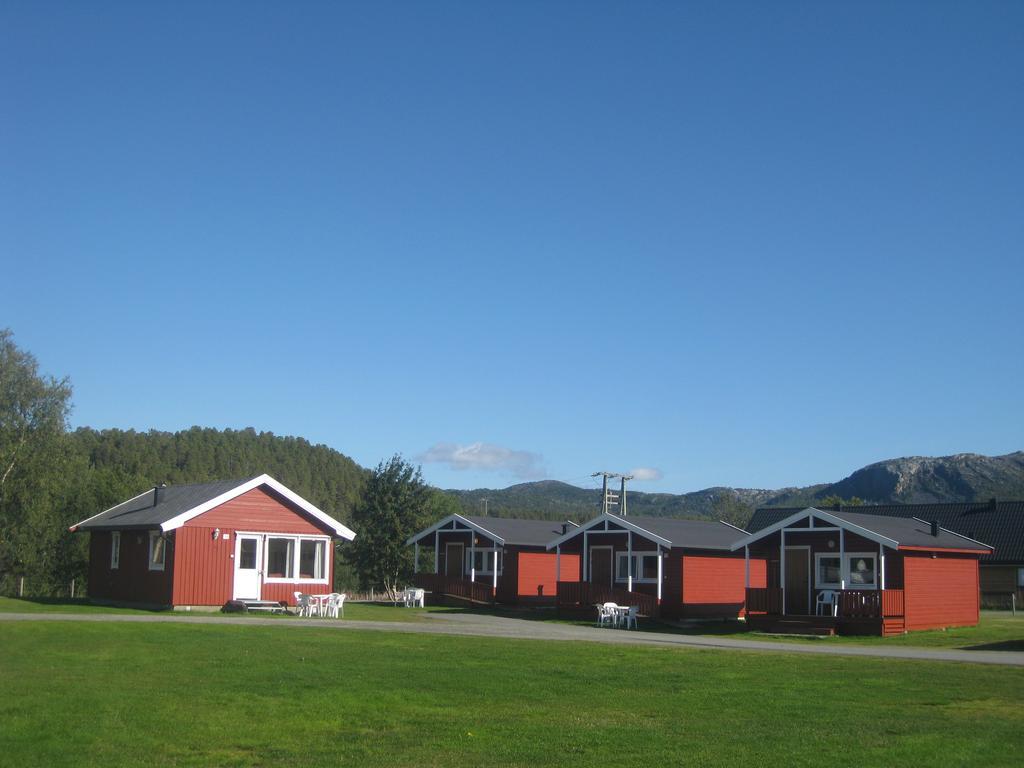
(744, 244)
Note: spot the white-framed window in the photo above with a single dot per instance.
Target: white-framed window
(1020, 577)
(297, 558)
(483, 559)
(312, 563)
(280, 557)
(115, 550)
(862, 570)
(859, 571)
(643, 567)
(826, 571)
(157, 550)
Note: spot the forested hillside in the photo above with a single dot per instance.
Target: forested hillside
(87, 471)
(138, 460)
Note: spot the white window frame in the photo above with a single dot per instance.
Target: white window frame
(637, 555)
(115, 550)
(153, 536)
(319, 558)
(488, 560)
(298, 539)
(844, 570)
(1020, 578)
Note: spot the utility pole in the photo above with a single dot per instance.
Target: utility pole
(608, 499)
(485, 506)
(622, 510)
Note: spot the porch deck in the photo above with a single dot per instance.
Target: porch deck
(464, 589)
(582, 596)
(859, 612)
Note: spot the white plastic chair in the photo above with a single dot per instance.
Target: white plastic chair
(336, 604)
(418, 598)
(828, 599)
(608, 613)
(306, 604)
(629, 617)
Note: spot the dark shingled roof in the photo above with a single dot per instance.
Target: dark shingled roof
(698, 534)
(999, 524)
(141, 512)
(519, 532)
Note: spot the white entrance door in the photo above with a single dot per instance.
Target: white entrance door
(248, 567)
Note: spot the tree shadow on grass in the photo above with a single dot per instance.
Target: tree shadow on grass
(1005, 645)
(84, 603)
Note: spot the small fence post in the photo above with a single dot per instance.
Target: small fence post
(21, 586)
(1013, 602)
(371, 594)
(72, 589)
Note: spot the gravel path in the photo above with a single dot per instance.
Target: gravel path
(484, 625)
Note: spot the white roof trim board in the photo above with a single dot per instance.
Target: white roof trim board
(821, 514)
(342, 531)
(439, 525)
(603, 517)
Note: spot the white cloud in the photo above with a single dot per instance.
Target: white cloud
(485, 457)
(646, 473)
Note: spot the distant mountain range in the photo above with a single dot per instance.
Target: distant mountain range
(915, 479)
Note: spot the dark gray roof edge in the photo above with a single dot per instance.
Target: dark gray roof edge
(178, 499)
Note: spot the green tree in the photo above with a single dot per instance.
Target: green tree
(394, 506)
(839, 501)
(35, 459)
(729, 508)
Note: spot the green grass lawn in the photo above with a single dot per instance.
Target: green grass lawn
(996, 631)
(354, 611)
(59, 605)
(235, 695)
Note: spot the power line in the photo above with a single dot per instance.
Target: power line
(610, 499)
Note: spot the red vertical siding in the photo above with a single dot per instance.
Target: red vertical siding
(285, 592)
(940, 591)
(259, 510)
(714, 585)
(537, 573)
(205, 569)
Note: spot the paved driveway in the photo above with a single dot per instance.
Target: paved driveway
(486, 625)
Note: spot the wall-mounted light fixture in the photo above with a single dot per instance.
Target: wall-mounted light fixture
(216, 533)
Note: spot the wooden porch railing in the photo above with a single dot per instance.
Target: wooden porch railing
(449, 585)
(852, 603)
(860, 603)
(761, 600)
(579, 594)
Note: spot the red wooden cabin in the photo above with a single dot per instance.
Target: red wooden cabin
(667, 567)
(887, 575)
(207, 544)
(489, 559)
